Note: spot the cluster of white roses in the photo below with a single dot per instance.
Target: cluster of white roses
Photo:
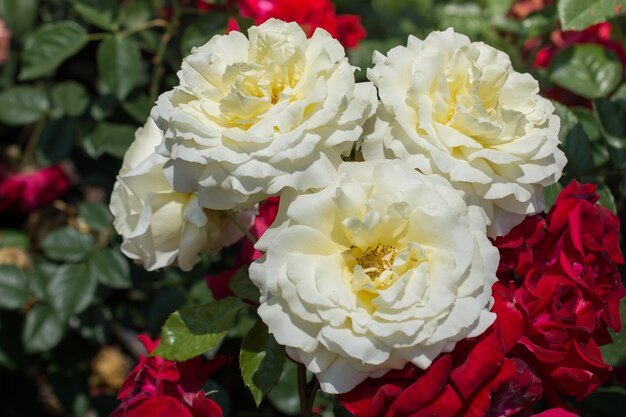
(369, 265)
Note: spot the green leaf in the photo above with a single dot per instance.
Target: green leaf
(498, 7)
(96, 215)
(620, 93)
(138, 107)
(42, 330)
(550, 193)
(615, 353)
(361, 57)
(574, 142)
(606, 197)
(339, 410)
(588, 121)
(13, 287)
(103, 106)
(110, 268)
(611, 401)
(100, 13)
(70, 98)
(590, 71)
(135, 13)
(242, 287)
(245, 320)
(67, 244)
(43, 272)
(10, 238)
(537, 25)
(56, 141)
(49, 46)
(464, 17)
(201, 30)
(194, 330)
(19, 15)
(70, 289)
(120, 65)
(110, 138)
(580, 14)
(261, 360)
(285, 395)
(611, 115)
(21, 105)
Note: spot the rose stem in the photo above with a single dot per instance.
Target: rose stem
(241, 227)
(302, 390)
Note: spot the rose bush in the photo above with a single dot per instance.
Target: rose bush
(253, 117)
(369, 274)
(80, 76)
(468, 116)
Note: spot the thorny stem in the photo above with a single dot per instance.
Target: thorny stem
(158, 71)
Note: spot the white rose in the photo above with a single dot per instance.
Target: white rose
(458, 109)
(160, 226)
(252, 117)
(383, 267)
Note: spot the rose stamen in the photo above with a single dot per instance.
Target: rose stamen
(375, 261)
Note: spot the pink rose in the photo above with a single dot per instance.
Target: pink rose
(23, 192)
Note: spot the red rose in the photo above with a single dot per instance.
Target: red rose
(475, 379)
(516, 248)
(310, 14)
(598, 34)
(21, 193)
(569, 290)
(158, 387)
(219, 283)
(349, 30)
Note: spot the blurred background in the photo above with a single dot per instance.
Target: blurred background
(78, 77)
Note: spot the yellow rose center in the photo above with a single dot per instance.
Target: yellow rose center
(376, 260)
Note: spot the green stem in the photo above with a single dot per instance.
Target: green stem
(97, 36)
(158, 71)
(233, 217)
(148, 25)
(128, 32)
(28, 157)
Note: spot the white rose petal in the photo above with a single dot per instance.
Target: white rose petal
(253, 117)
(457, 108)
(383, 267)
(159, 226)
